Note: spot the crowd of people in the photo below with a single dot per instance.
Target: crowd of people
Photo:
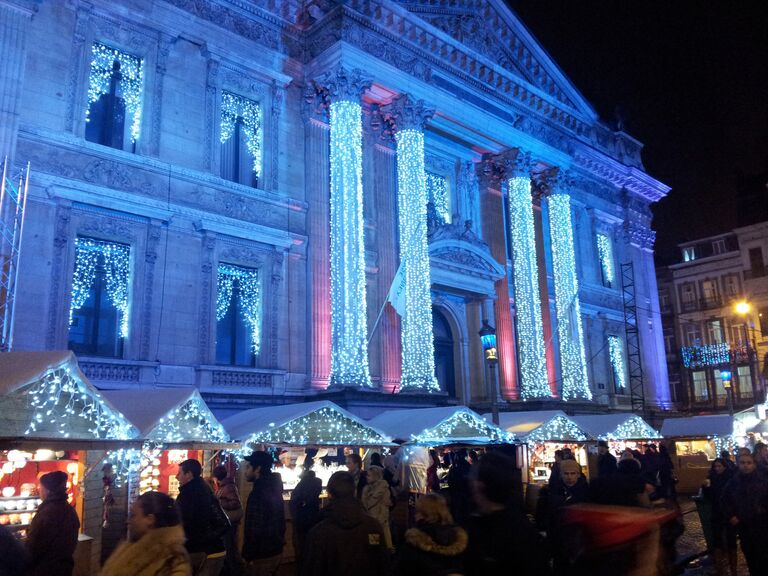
(471, 522)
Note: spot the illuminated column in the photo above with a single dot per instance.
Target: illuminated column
(417, 340)
(525, 277)
(14, 26)
(349, 327)
(570, 333)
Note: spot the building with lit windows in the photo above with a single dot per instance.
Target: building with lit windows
(227, 193)
(714, 306)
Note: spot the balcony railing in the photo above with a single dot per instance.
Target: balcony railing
(690, 306)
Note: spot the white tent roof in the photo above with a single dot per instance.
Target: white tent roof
(153, 410)
(542, 426)
(616, 426)
(17, 369)
(439, 426)
(698, 426)
(320, 423)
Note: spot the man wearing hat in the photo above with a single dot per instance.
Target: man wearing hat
(53, 533)
(606, 462)
(264, 535)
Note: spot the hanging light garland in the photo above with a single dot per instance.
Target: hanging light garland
(557, 429)
(130, 87)
(193, 420)
(249, 291)
(525, 276)
(249, 112)
(437, 193)
(117, 267)
(464, 426)
(705, 355)
(573, 361)
(349, 326)
(634, 428)
(418, 347)
(616, 354)
(605, 253)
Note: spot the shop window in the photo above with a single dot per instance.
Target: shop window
(700, 389)
(241, 140)
(115, 92)
(99, 309)
(238, 315)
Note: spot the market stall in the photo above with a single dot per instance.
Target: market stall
(52, 418)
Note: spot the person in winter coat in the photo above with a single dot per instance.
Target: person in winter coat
(377, 500)
(14, 556)
(435, 546)
(606, 462)
(347, 541)
(53, 533)
(745, 506)
(628, 487)
(205, 524)
(264, 535)
(723, 534)
(305, 508)
(156, 547)
(229, 498)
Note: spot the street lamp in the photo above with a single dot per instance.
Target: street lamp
(742, 309)
(726, 376)
(488, 338)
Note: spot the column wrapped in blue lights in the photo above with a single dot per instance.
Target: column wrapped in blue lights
(349, 328)
(418, 348)
(570, 333)
(525, 277)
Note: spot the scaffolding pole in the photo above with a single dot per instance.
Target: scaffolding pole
(13, 204)
(634, 357)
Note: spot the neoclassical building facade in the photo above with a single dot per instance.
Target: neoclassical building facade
(273, 201)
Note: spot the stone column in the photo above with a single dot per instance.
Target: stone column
(418, 347)
(349, 328)
(14, 27)
(570, 333)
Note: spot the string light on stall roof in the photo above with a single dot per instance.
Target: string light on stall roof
(349, 325)
(235, 107)
(558, 428)
(570, 332)
(616, 354)
(463, 425)
(130, 87)
(59, 398)
(116, 259)
(634, 428)
(190, 421)
(418, 349)
(437, 193)
(249, 289)
(605, 253)
(525, 277)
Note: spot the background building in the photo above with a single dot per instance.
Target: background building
(714, 306)
(223, 192)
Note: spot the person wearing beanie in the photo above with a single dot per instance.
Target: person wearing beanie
(264, 535)
(53, 533)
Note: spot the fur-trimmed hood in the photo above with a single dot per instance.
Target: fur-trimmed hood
(159, 552)
(438, 539)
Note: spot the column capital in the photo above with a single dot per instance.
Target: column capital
(342, 84)
(406, 113)
(557, 181)
(496, 168)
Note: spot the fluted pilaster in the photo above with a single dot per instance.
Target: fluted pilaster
(14, 25)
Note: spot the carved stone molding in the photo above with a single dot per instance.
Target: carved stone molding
(405, 113)
(244, 256)
(154, 233)
(278, 96)
(205, 309)
(60, 249)
(497, 168)
(342, 84)
(106, 227)
(110, 372)
(380, 130)
(639, 236)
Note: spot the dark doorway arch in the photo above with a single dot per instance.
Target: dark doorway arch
(444, 367)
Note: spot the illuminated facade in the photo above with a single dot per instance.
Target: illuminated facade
(224, 192)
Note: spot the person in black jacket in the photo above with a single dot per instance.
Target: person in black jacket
(264, 535)
(723, 534)
(305, 508)
(53, 533)
(13, 554)
(606, 462)
(205, 523)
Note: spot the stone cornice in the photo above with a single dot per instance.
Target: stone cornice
(406, 113)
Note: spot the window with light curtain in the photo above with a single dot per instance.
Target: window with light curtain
(238, 315)
(241, 137)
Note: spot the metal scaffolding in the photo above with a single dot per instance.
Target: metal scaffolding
(634, 358)
(13, 203)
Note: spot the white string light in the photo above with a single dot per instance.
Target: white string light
(634, 428)
(117, 269)
(573, 361)
(463, 426)
(558, 428)
(249, 291)
(605, 253)
(349, 327)
(249, 112)
(616, 353)
(418, 348)
(437, 193)
(525, 276)
(130, 86)
(193, 420)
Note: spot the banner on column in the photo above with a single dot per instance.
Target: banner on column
(396, 295)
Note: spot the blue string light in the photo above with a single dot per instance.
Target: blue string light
(437, 193)
(605, 253)
(249, 288)
(705, 355)
(616, 353)
(234, 107)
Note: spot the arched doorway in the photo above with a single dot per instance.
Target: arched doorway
(444, 367)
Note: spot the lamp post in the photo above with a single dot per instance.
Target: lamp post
(488, 339)
(726, 376)
(742, 309)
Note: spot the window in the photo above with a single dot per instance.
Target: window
(605, 253)
(720, 392)
(115, 89)
(238, 315)
(709, 291)
(618, 365)
(731, 283)
(700, 390)
(241, 137)
(693, 334)
(669, 340)
(715, 332)
(763, 317)
(438, 194)
(756, 264)
(745, 382)
(688, 297)
(718, 246)
(737, 334)
(689, 254)
(98, 313)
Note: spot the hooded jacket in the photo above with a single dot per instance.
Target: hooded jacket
(346, 542)
(432, 550)
(53, 537)
(160, 552)
(264, 534)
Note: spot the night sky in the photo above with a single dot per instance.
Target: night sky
(691, 80)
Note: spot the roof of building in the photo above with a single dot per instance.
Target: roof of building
(698, 426)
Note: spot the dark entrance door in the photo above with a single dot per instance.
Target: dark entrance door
(444, 368)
